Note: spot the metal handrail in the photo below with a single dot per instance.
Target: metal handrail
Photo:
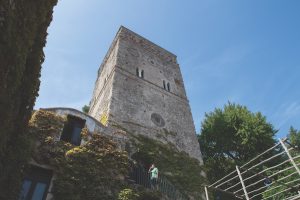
(141, 177)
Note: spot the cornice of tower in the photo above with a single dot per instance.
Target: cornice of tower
(146, 44)
(125, 33)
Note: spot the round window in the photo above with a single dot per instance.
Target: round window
(157, 120)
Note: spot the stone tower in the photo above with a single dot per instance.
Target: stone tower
(140, 87)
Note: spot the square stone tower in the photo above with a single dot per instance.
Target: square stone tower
(140, 87)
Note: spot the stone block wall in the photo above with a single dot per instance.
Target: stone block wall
(143, 105)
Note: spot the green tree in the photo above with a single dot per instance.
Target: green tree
(231, 136)
(85, 109)
(294, 136)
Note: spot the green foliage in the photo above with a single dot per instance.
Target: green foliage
(94, 170)
(149, 195)
(183, 171)
(128, 194)
(139, 193)
(294, 136)
(85, 109)
(280, 186)
(232, 136)
(23, 28)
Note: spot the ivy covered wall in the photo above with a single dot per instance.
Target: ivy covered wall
(23, 31)
(98, 168)
(94, 170)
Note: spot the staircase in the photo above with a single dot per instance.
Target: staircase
(140, 176)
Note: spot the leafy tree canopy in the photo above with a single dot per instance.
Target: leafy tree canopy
(231, 136)
(294, 136)
(85, 109)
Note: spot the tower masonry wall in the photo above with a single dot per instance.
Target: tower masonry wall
(154, 105)
(100, 102)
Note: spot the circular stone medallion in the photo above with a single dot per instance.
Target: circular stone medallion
(157, 120)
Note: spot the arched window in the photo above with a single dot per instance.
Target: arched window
(164, 84)
(168, 86)
(137, 71)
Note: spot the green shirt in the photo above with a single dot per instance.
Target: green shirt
(154, 173)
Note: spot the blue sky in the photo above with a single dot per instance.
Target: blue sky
(247, 52)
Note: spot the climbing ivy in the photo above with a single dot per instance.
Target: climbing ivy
(23, 28)
(97, 169)
(94, 170)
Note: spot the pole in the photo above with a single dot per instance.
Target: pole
(290, 157)
(206, 193)
(242, 182)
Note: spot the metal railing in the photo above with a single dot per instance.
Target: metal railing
(141, 177)
(281, 177)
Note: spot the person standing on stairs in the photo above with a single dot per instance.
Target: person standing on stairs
(153, 176)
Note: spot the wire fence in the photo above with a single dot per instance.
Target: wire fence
(273, 174)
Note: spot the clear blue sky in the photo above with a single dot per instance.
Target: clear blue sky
(247, 52)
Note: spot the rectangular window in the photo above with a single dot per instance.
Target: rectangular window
(168, 86)
(72, 130)
(140, 73)
(36, 184)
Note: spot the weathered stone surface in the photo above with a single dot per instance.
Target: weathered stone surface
(154, 105)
